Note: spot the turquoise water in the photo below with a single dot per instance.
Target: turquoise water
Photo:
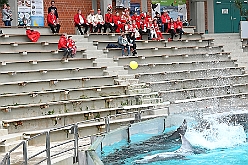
(221, 145)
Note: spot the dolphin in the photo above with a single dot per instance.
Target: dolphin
(185, 149)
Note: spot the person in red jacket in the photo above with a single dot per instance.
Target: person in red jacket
(179, 27)
(62, 45)
(171, 28)
(117, 22)
(79, 21)
(109, 21)
(52, 22)
(165, 18)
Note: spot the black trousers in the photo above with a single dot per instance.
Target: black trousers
(180, 31)
(54, 28)
(85, 28)
(172, 32)
(98, 28)
(108, 25)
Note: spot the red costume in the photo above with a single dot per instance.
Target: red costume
(165, 18)
(71, 45)
(118, 24)
(179, 24)
(51, 18)
(77, 20)
(172, 26)
(108, 18)
(62, 42)
(33, 35)
(158, 32)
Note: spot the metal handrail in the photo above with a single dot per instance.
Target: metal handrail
(74, 128)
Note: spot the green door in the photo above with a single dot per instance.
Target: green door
(226, 17)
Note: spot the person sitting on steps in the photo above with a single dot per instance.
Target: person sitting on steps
(79, 21)
(52, 22)
(62, 45)
(123, 43)
(131, 40)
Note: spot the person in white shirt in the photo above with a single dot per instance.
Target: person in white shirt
(99, 21)
(91, 21)
(79, 21)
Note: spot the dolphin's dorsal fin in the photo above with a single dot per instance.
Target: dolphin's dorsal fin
(186, 146)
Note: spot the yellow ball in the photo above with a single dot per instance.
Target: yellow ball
(133, 65)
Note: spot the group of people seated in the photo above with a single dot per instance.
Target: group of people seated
(137, 24)
(67, 45)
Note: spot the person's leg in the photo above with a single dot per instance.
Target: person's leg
(52, 28)
(65, 52)
(86, 27)
(79, 29)
(9, 23)
(5, 23)
(165, 27)
(100, 28)
(128, 50)
(57, 28)
(149, 34)
(162, 28)
(122, 49)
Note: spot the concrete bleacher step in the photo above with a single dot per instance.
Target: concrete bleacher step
(22, 30)
(126, 76)
(126, 82)
(58, 117)
(28, 46)
(192, 93)
(9, 141)
(24, 38)
(48, 74)
(173, 58)
(62, 94)
(152, 101)
(139, 91)
(189, 74)
(197, 83)
(116, 52)
(114, 37)
(115, 72)
(231, 100)
(85, 45)
(94, 54)
(164, 43)
(3, 132)
(8, 66)
(51, 84)
(179, 66)
(35, 55)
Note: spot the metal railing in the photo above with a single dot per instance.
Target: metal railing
(73, 129)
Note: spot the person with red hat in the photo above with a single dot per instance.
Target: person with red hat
(91, 21)
(99, 21)
(79, 21)
(52, 22)
(109, 21)
(117, 22)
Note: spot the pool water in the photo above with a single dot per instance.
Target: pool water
(222, 144)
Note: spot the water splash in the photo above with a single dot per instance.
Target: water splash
(217, 135)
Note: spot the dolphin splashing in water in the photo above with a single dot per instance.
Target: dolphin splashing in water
(185, 149)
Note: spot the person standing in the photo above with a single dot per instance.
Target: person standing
(52, 22)
(99, 21)
(53, 7)
(6, 16)
(79, 21)
(165, 19)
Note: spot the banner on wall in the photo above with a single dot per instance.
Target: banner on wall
(30, 13)
(122, 3)
(134, 7)
(175, 8)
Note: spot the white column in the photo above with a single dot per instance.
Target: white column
(143, 6)
(13, 6)
(104, 5)
(200, 17)
(210, 6)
